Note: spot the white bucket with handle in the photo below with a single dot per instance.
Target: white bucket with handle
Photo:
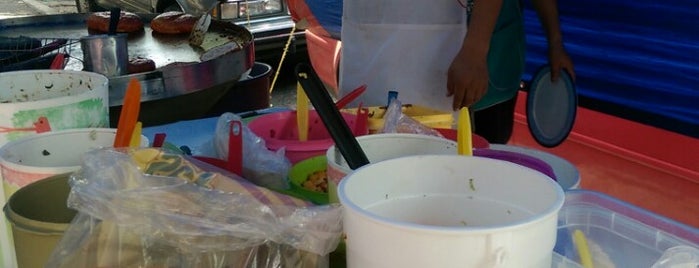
(449, 211)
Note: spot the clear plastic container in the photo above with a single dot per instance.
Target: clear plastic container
(618, 234)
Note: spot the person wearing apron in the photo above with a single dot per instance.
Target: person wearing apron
(421, 49)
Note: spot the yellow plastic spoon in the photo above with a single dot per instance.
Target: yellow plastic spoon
(135, 141)
(301, 112)
(580, 243)
(463, 130)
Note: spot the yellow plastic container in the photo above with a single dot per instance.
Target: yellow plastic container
(39, 216)
(427, 116)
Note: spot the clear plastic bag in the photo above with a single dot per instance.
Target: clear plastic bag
(260, 165)
(149, 208)
(395, 121)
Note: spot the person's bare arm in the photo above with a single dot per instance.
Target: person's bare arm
(467, 79)
(547, 10)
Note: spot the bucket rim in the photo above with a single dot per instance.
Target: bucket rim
(31, 225)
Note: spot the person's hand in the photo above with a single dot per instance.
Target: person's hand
(467, 79)
(559, 60)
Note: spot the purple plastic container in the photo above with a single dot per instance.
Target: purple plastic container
(517, 158)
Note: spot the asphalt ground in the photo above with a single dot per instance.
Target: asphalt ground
(19, 8)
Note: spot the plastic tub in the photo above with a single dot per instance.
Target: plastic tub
(299, 174)
(565, 172)
(618, 234)
(38, 224)
(449, 211)
(279, 130)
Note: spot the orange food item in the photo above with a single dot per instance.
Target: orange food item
(173, 22)
(128, 22)
(317, 181)
(140, 65)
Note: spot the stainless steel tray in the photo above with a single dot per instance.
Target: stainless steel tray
(179, 69)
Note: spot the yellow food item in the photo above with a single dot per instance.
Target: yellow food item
(317, 181)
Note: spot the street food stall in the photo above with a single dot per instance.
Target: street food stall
(320, 185)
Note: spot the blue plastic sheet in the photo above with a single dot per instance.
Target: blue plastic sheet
(641, 56)
(329, 15)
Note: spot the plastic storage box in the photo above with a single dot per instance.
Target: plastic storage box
(427, 116)
(618, 234)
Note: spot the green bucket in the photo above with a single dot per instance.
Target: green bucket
(39, 216)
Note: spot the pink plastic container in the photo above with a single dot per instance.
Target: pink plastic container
(280, 130)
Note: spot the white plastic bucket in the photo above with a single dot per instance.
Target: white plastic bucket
(43, 155)
(379, 147)
(35, 157)
(566, 173)
(449, 211)
(39, 101)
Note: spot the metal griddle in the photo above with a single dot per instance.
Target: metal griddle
(180, 77)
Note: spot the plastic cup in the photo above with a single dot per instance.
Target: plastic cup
(449, 211)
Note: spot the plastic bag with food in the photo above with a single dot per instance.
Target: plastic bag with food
(150, 208)
(395, 121)
(260, 165)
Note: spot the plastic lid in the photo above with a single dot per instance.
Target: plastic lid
(551, 107)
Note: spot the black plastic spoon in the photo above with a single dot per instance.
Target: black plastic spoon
(331, 117)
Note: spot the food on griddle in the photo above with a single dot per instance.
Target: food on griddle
(173, 22)
(128, 22)
(140, 65)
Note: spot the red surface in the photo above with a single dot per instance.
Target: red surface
(324, 54)
(648, 167)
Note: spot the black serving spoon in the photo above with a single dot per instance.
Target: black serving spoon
(331, 117)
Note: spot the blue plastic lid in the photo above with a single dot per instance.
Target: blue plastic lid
(551, 107)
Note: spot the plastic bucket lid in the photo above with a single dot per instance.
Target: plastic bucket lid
(551, 107)
(39, 217)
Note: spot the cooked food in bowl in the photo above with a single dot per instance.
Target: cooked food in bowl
(317, 181)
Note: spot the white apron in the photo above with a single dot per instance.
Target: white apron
(400, 45)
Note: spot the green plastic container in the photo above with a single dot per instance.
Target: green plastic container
(39, 217)
(299, 173)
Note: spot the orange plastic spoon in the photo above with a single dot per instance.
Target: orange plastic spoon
(129, 114)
